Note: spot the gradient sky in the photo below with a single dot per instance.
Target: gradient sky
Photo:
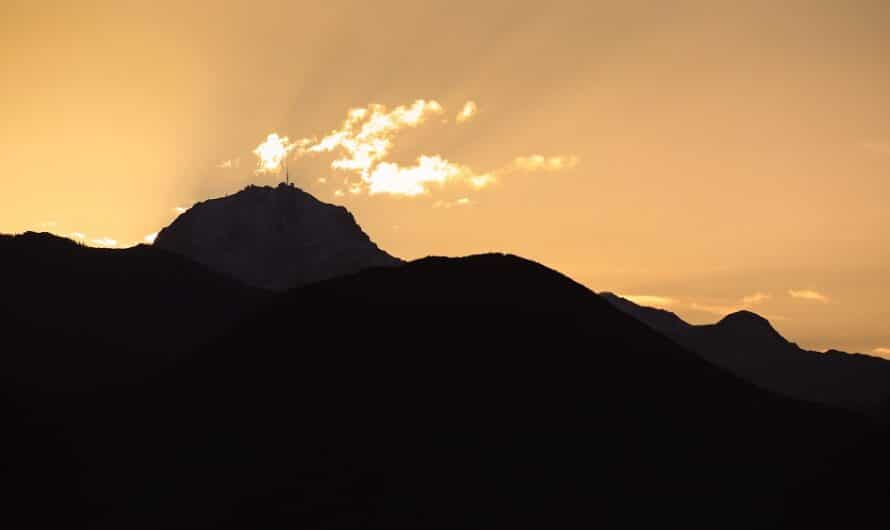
(713, 156)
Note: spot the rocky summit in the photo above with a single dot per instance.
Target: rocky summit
(273, 238)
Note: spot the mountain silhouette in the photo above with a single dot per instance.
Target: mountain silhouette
(273, 238)
(447, 392)
(143, 389)
(747, 345)
(747, 325)
(141, 299)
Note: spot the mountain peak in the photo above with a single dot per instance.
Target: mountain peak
(749, 324)
(273, 237)
(745, 318)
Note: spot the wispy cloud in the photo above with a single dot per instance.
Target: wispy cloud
(481, 181)
(463, 201)
(179, 209)
(541, 162)
(756, 298)
(882, 352)
(106, 242)
(719, 309)
(808, 294)
(650, 300)
(229, 164)
(715, 309)
(366, 138)
(80, 236)
(467, 112)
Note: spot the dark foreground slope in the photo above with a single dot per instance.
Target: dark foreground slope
(273, 238)
(141, 299)
(748, 346)
(483, 391)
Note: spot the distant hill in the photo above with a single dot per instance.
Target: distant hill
(486, 391)
(143, 390)
(141, 299)
(747, 345)
(273, 238)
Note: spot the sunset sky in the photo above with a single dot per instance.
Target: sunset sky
(700, 156)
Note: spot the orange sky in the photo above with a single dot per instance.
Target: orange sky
(719, 151)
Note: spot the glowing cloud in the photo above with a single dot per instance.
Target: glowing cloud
(649, 300)
(467, 112)
(719, 310)
(480, 181)
(714, 308)
(807, 294)
(366, 136)
(883, 352)
(756, 298)
(272, 153)
(540, 162)
(229, 164)
(463, 201)
(150, 238)
(411, 181)
(179, 209)
(106, 242)
(78, 235)
(365, 139)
